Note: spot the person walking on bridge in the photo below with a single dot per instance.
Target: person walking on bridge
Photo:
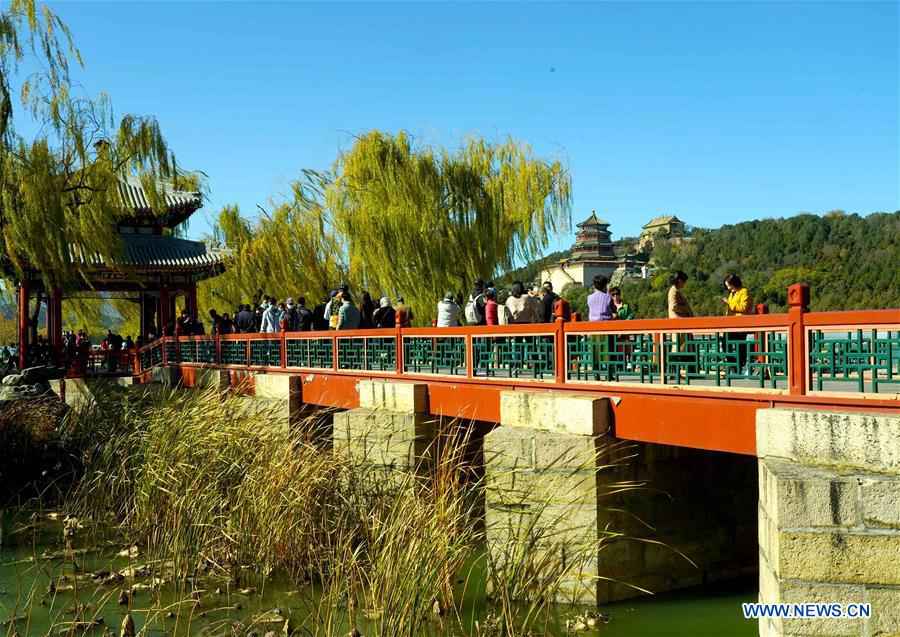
(243, 320)
(448, 312)
(738, 303)
(599, 302)
(348, 316)
(404, 313)
(384, 316)
(518, 304)
(678, 306)
(271, 318)
(548, 299)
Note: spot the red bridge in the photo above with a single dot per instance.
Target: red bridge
(686, 382)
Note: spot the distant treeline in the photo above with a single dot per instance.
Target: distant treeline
(849, 261)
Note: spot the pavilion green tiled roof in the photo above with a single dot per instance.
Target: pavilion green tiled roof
(180, 204)
(156, 252)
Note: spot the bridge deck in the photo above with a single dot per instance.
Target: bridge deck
(689, 382)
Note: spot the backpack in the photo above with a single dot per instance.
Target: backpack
(504, 316)
(473, 312)
(304, 319)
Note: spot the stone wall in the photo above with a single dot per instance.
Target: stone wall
(829, 517)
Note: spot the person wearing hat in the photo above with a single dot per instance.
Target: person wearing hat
(404, 313)
(447, 311)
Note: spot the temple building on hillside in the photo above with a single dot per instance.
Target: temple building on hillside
(153, 268)
(666, 226)
(591, 254)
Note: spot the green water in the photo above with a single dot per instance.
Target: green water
(36, 556)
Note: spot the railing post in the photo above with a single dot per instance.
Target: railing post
(798, 366)
(400, 354)
(559, 340)
(283, 351)
(163, 354)
(334, 352)
(470, 356)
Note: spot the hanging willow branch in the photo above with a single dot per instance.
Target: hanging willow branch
(420, 222)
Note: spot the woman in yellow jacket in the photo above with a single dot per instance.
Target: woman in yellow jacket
(738, 303)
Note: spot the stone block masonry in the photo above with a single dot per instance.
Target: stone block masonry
(829, 518)
(553, 490)
(390, 429)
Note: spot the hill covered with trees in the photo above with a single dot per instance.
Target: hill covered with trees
(849, 261)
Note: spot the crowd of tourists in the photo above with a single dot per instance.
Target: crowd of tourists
(337, 311)
(486, 305)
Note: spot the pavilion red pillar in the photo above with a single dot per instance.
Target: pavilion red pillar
(190, 300)
(54, 323)
(142, 302)
(23, 294)
(164, 310)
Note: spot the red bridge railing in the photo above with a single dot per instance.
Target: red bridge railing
(829, 355)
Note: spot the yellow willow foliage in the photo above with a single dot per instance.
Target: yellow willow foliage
(291, 253)
(59, 194)
(420, 222)
(27, 29)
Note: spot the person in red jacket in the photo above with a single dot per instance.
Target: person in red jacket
(490, 307)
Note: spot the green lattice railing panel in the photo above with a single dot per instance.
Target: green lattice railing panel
(613, 357)
(156, 355)
(514, 356)
(265, 352)
(188, 351)
(309, 352)
(860, 361)
(206, 351)
(351, 353)
(172, 353)
(381, 354)
(444, 355)
(233, 352)
(730, 359)
(151, 356)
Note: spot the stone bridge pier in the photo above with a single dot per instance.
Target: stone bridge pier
(829, 518)
(636, 517)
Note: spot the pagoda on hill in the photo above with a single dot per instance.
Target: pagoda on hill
(593, 242)
(153, 268)
(591, 254)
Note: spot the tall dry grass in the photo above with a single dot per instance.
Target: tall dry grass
(199, 482)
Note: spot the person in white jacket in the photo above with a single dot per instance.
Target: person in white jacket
(270, 318)
(448, 312)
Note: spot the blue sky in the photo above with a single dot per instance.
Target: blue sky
(717, 111)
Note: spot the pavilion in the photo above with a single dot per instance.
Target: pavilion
(153, 268)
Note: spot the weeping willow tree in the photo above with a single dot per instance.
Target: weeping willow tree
(291, 252)
(59, 190)
(420, 222)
